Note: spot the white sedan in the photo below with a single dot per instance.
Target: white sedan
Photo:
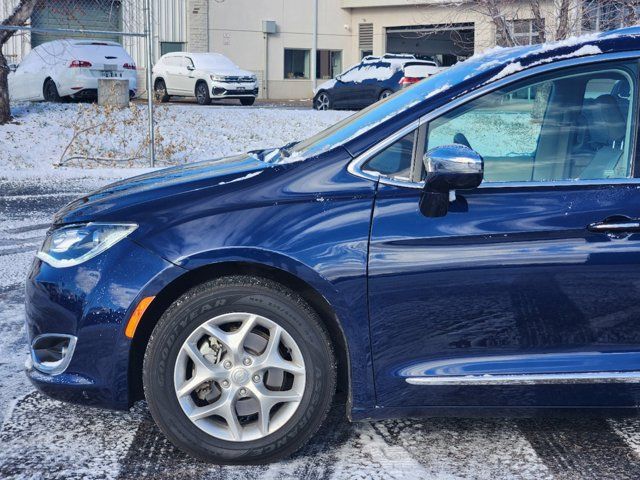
(70, 68)
(207, 76)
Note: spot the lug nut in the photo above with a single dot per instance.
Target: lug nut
(243, 391)
(227, 365)
(225, 383)
(247, 361)
(256, 378)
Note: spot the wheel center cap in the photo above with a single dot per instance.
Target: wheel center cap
(240, 376)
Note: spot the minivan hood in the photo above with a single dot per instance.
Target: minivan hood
(164, 183)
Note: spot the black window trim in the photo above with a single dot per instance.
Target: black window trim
(356, 163)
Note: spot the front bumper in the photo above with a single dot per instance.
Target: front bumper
(234, 89)
(92, 303)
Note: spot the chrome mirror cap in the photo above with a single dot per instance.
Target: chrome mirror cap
(449, 168)
(453, 167)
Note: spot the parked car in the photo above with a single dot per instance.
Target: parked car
(414, 72)
(70, 68)
(469, 245)
(207, 76)
(373, 79)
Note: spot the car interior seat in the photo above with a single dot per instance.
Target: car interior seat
(606, 130)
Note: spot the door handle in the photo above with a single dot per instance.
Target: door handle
(615, 224)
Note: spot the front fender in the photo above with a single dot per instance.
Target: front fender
(346, 298)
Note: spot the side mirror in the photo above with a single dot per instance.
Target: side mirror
(191, 68)
(13, 67)
(449, 168)
(339, 78)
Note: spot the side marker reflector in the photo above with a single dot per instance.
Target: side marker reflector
(136, 316)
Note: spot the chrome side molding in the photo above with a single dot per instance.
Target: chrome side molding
(528, 379)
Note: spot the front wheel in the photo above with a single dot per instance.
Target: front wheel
(322, 101)
(247, 102)
(202, 94)
(239, 370)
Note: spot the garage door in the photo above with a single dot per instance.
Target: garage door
(102, 15)
(447, 44)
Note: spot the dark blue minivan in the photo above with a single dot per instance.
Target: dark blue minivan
(470, 244)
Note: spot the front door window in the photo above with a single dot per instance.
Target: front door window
(572, 125)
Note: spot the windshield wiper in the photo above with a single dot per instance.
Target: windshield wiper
(284, 151)
(267, 154)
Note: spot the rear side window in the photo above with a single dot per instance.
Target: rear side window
(378, 71)
(395, 160)
(577, 124)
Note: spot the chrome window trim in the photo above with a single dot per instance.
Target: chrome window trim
(528, 379)
(355, 165)
(60, 366)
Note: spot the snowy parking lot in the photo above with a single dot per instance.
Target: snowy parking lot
(42, 438)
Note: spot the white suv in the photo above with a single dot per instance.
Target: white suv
(207, 76)
(70, 68)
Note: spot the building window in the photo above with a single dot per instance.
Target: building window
(328, 63)
(523, 32)
(296, 63)
(169, 47)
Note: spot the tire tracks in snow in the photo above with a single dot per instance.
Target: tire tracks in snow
(586, 448)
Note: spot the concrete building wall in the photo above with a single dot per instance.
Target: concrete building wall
(198, 25)
(236, 31)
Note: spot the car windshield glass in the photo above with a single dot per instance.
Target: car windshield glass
(213, 61)
(363, 121)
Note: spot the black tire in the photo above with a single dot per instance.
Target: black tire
(160, 90)
(385, 93)
(251, 295)
(247, 102)
(203, 97)
(323, 101)
(50, 91)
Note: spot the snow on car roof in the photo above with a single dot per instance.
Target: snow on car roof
(212, 60)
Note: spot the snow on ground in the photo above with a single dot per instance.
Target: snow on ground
(44, 135)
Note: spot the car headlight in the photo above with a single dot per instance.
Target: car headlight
(218, 78)
(74, 244)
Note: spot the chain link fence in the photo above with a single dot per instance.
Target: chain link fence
(127, 22)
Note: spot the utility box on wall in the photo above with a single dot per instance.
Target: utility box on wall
(269, 26)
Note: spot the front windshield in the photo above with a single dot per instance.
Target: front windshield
(364, 120)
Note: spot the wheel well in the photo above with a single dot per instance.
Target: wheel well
(159, 79)
(195, 277)
(44, 84)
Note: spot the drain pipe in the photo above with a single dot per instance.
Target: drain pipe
(314, 50)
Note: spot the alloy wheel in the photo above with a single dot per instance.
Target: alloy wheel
(385, 94)
(202, 94)
(322, 102)
(239, 377)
